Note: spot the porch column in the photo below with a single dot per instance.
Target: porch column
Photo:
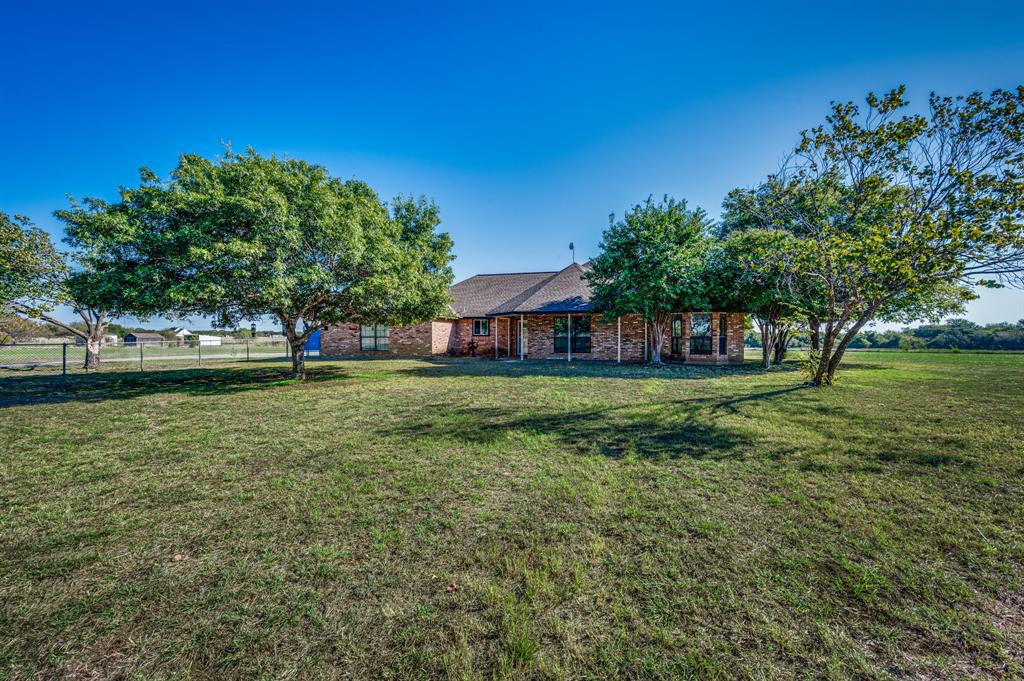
(569, 338)
(618, 340)
(714, 337)
(508, 336)
(522, 345)
(495, 338)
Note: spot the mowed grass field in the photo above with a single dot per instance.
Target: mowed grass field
(473, 520)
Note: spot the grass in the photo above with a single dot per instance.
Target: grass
(472, 520)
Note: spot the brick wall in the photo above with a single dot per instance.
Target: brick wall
(443, 336)
(406, 341)
(463, 334)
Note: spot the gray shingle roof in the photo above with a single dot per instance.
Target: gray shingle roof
(522, 293)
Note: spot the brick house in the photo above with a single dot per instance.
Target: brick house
(540, 315)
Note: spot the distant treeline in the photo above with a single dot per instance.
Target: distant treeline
(954, 334)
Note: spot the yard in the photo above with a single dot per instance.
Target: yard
(411, 519)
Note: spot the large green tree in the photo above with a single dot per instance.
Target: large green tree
(897, 214)
(649, 264)
(250, 235)
(36, 279)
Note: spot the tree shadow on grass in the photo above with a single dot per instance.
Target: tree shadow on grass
(656, 431)
(122, 385)
(126, 385)
(731, 405)
(589, 369)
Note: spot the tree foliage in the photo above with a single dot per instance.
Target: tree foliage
(893, 215)
(249, 235)
(37, 279)
(650, 264)
(26, 255)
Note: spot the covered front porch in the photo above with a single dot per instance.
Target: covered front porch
(692, 337)
(566, 337)
(507, 334)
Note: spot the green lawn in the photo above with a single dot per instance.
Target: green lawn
(473, 520)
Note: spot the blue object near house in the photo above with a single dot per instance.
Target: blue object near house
(313, 342)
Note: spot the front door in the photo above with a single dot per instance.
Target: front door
(676, 348)
(523, 342)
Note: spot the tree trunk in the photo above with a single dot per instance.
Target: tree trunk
(297, 345)
(837, 356)
(95, 326)
(814, 330)
(782, 335)
(826, 352)
(657, 339)
(92, 354)
(299, 361)
(830, 359)
(768, 340)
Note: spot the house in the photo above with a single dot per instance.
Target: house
(541, 315)
(193, 339)
(133, 338)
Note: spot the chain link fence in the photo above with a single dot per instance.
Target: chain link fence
(47, 359)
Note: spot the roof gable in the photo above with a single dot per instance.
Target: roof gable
(481, 295)
(523, 293)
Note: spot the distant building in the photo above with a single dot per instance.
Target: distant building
(193, 339)
(143, 337)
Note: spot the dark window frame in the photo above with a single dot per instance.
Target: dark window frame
(582, 342)
(723, 334)
(376, 340)
(700, 344)
(486, 322)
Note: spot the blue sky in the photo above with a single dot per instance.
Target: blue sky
(528, 124)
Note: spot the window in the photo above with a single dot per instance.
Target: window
(700, 334)
(481, 327)
(374, 337)
(677, 334)
(580, 334)
(723, 334)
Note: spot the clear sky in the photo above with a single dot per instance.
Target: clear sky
(528, 124)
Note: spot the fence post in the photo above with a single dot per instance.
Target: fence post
(199, 345)
(141, 355)
(246, 350)
(64, 359)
